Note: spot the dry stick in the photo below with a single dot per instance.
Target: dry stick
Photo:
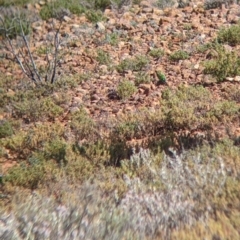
(12, 49)
(55, 56)
(19, 60)
(30, 55)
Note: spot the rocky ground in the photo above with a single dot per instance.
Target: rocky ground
(139, 44)
(130, 34)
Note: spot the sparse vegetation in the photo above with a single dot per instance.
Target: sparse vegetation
(103, 57)
(59, 9)
(135, 64)
(142, 77)
(179, 55)
(156, 53)
(223, 64)
(14, 23)
(95, 16)
(230, 35)
(127, 141)
(126, 89)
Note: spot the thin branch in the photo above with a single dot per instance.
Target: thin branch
(56, 47)
(29, 53)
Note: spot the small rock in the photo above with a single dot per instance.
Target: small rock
(100, 26)
(41, 3)
(229, 79)
(77, 100)
(67, 19)
(237, 78)
(74, 109)
(196, 66)
(95, 97)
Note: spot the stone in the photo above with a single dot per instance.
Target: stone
(100, 26)
(237, 78)
(67, 19)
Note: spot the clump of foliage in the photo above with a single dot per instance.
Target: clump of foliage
(142, 77)
(37, 109)
(58, 9)
(205, 47)
(164, 3)
(14, 23)
(6, 129)
(179, 55)
(135, 64)
(126, 89)
(230, 35)
(173, 191)
(156, 52)
(28, 174)
(103, 57)
(224, 64)
(7, 3)
(83, 126)
(200, 108)
(112, 38)
(95, 16)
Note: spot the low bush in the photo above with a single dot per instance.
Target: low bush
(230, 35)
(156, 52)
(95, 16)
(142, 77)
(179, 55)
(223, 64)
(200, 108)
(103, 57)
(6, 129)
(126, 89)
(58, 9)
(135, 64)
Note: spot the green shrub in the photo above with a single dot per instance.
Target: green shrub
(8, 3)
(38, 137)
(102, 4)
(135, 64)
(224, 64)
(164, 3)
(36, 109)
(156, 52)
(205, 47)
(112, 38)
(195, 107)
(57, 9)
(179, 55)
(95, 16)
(13, 24)
(56, 150)
(103, 57)
(230, 35)
(232, 93)
(83, 126)
(28, 175)
(225, 108)
(5, 129)
(142, 77)
(126, 89)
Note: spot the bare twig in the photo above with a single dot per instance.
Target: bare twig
(23, 54)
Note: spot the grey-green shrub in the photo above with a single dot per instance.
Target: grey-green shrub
(125, 89)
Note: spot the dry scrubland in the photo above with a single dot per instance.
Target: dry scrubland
(125, 123)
